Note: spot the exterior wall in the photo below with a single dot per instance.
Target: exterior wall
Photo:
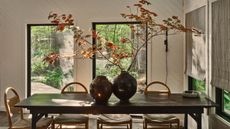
(14, 15)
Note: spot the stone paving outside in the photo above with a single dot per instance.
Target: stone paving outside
(37, 87)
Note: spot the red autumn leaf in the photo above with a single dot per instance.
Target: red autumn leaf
(144, 2)
(83, 52)
(162, 27)
(111, 45)
(51, 58)
(50, 16)
(70, 16)
(123, 40)
(153, 13)
(87, 36)
(81, 42)
(175, 17)
(138, 5)
(63, 15)
(55, 21)
(70, 22)
(61, 27)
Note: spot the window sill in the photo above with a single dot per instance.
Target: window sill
(219, 117)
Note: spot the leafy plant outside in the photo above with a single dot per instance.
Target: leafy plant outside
(198, 85)
(114, 32)
(227, 102)
(42, 43)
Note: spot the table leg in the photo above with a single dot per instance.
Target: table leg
(34, 117)
(186, 121)
(198, 118)
(199, 121)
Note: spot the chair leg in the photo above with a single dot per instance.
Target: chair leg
(53, 125)
(178, 124)
(98, 126)
(101, 126)
(145, 125)
(87, 125)
(131, 125)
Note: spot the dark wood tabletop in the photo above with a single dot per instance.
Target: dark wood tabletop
(139, 103)
(43, 104)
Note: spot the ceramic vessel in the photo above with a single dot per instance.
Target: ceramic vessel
(124, 86)
(101, 89)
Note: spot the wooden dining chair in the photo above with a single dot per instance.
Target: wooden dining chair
(72, 119)
(159, 121)
(11, 98)
(114, 120)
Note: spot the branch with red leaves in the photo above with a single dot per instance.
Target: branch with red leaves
(85, 48)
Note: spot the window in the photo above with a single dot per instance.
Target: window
(227, 102)
(114, 31)
(223, 99)
(197, 85)
(42, 40)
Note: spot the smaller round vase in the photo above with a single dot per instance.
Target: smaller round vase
(101, 89)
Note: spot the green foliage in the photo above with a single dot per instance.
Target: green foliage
(53, 77)
(43, 43)
(108, 70)
(199, 85)
(227, 101)
(114, 33)
(38, 67)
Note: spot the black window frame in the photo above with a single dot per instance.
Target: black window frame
(29, 54)
(220, 102)
(190, 84)
(94, 42)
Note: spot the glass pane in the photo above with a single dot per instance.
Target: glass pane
(114, 32)
(198, 85)
(227, 102)
(47, 78)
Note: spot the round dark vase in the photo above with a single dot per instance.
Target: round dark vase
(101, 89)
(124, 86)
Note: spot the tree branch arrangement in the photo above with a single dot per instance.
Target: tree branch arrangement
(110, 50)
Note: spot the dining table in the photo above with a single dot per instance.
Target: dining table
(55, 103)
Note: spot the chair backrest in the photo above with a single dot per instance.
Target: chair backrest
(11, 98)
(160, 92)
(71, 88)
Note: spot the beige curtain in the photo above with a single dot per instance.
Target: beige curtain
(195, 45)
(221, 44)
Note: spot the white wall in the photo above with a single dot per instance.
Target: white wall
(15, 14)
(190, 5)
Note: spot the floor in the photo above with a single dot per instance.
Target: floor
(137, 123)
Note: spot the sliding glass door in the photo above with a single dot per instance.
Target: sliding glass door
(43, 77)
